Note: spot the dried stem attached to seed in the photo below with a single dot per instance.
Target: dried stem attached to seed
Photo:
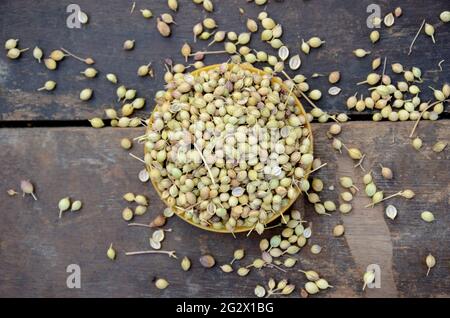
(359, 164)
(207, 52)
(206, 164)
(440, 65)
(384, 66)
(136, 157)
(87, 60)
(314, 170)
(421, 114)
(415, 38)
(371, 205)
(169, 253)
(303, 94)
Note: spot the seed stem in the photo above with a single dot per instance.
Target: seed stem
(421, 114)
(276, 267)
(359, 164)
(169, 253)
(371, 205)
(384, 66)
(314, 170)
(74, 56)
(136, 157)
(139, 224)
(440, 64)
(415, 38)
(204, 161)
(207, 52)
(303, 94)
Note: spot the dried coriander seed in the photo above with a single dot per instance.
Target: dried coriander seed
(90, 72)
(112, 78)
(127, 214)
(76, 206)
(391, 212)
(126, 143)
(207, 261)
(368, 278)
(161, 283)
(360, 53)
(386, 172)
(48, 86)
(226, 268)
(11, 44)
(439, 146)
(417, 143)
(146, 13)
(38, 54)
(430, 260)
(316, 249)
(163, 28)
(427, 216)
(96, 122)
(86, 94)
(185, 263)
(311, 288)
(27, 188)
(111, 253)
(128, 45)
(63, 205)
(338, 230)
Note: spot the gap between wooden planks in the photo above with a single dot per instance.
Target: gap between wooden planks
(89, 165)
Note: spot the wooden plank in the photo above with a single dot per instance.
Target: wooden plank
(341, 23)
(89, 165)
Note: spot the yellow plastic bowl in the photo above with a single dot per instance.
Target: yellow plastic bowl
(273, 217)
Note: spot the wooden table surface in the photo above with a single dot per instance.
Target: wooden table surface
(45, 137)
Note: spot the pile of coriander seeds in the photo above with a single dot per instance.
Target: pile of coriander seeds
(228, 147)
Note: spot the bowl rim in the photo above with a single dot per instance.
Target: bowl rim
(275, 216)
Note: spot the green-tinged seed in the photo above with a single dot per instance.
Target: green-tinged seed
(146, 13)
(111, 253)
(63, 205)
(439, 146)
(76, 205)
(345, 208)
(185, 263)
(427, 216)
(417, 143)
(129, 197)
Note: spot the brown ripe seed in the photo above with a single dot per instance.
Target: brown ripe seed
(334, 77)
(163, 28)
(207, 261)
(158, 221)
(386, 172)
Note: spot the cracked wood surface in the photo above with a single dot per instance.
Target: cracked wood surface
(43, 23)
(89, 165)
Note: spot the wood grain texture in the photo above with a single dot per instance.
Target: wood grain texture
(341, 23)
(88, 164)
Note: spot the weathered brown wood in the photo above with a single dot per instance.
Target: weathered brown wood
(87, 164)
(341, 23)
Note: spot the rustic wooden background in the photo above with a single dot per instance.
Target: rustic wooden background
(64, 157)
